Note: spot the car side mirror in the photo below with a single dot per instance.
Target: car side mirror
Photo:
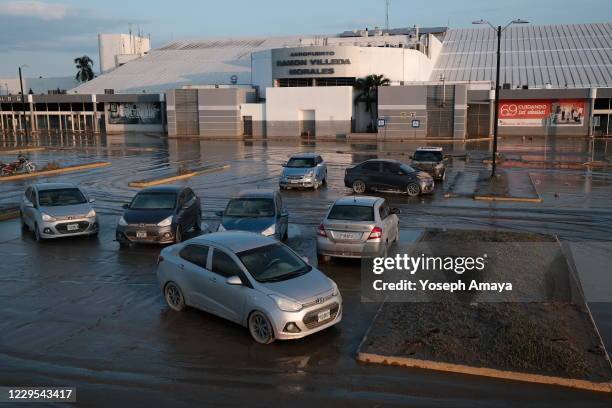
(125, 206)
(234, 280)
(92, 200)
(219, 213)
(395, 211)
(411, 158)
(284, 164)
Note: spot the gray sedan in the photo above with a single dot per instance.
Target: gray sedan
(251, 280)
(357, 227)
(54, 210)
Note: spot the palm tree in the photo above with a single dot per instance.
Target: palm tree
(368, 94)
(84, 68)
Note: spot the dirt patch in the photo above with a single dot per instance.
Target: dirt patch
(506, 186)
(554, 338)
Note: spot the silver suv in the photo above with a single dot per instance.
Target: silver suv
(430, 160)
(304, 170)
(54, 210)
(357, 227)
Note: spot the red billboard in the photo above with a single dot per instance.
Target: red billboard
(536, 112)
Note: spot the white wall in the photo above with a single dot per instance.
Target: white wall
(329, 103)
(397, 64)
(256, 110)
(112, 45)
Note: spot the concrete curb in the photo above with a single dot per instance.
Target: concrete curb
(24, 150)
(515, 199)
(9, 213)
(45, 173)
(149, 183)
(486, 372)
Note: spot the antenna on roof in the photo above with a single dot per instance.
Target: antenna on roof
(387, 3)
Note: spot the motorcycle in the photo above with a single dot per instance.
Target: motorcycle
(22, 163)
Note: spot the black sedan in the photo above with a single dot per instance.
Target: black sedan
(159, 214)
(387, 175)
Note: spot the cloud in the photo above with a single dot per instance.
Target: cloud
(35, 9)
(36, 26)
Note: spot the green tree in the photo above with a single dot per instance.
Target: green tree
(84, 68)
(367, 89)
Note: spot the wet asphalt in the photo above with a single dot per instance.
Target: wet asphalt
(81, 312)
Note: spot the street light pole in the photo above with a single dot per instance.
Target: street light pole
(496, 114)
(498, 31)
(25, 119)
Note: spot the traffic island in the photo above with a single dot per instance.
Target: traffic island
(181, 174)
(506, 186)
(55, 170)
(9, 212)
(552, 340)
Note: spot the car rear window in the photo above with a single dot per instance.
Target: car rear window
(351, 213)
(424, 155)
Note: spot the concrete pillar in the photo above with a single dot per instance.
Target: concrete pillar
(592, 97)
(491, 111)
(95, 114)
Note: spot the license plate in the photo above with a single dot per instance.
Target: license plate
(141, 234)
(72, 227)
(349, 235)
(294, 181)
(324, 315)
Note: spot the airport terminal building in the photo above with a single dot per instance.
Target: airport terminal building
(556, 80)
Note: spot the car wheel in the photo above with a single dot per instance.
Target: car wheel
(260, 328)
(325, 179)
(174, 297)
(24, 226)
(359, 187)
(321, 259)
(37, 236)
(413, 189)
(178, 234)
(397, 233)
(443, 176)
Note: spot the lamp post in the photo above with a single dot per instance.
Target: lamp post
(25, 119)
(498, 30)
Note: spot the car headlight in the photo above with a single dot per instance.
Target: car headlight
(91, 214)
(47, 217)
(269, 231)
(122, 222)
(286, 305)
(166, 222)
(335, 291)
(310, 173)
(221, 228)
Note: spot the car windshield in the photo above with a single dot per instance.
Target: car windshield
(250, 207)
(407, 169)
(351, 213)
(425, 155)
(273, 263)
(62, 196)
(153, 201)
(301, 162)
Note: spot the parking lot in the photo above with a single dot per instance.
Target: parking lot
(82, 312)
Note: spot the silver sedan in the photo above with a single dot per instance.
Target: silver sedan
(54, 210)
(251, 280)
(357, 227)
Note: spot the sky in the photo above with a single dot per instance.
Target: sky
(48, 35)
